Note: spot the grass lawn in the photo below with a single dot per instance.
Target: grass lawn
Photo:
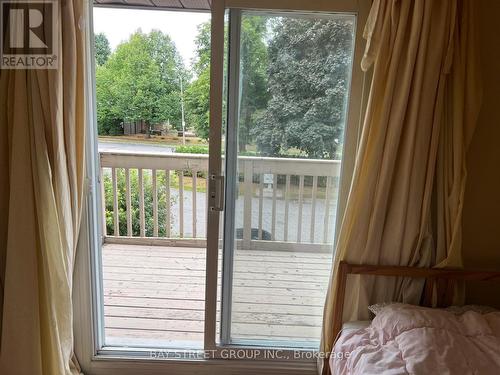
(293, 194)
(201, 184)
(156, 140)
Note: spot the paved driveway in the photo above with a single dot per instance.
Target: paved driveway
(134, 147)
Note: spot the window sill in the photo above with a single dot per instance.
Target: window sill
(107, 364)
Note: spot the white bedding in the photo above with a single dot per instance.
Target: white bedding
(358, 324)
(406, 339)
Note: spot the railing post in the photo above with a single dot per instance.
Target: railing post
(193, 205)
(273, 217)
(103, 206)
(261, 204)
(326, 222)
(167, 202)
(313, 208)
(116, 222)
(128, 202)
(155, 202)
(181, 203)
(247, 204)
(287, 206)
(301, 203)
(142, 218)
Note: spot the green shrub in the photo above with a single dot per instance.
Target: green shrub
(109, 126)
(192, 149)
(148, 202)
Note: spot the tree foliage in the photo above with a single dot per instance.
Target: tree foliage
(140, 81)
(102, 49)
(308, 78)
(198, 93)
(253, 67)
(198, 103)
(294, 84)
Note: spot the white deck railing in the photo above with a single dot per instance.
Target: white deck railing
(282, 203)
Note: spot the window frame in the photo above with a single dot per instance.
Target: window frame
(88, 311)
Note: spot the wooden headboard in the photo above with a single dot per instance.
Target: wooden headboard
(439, 283)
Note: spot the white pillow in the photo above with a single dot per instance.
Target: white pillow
(457, 310)
(378, 307)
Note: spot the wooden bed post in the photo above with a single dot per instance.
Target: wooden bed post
(438, 291)
(338, 309)
(440, 283)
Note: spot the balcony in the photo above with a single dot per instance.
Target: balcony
(155, 211)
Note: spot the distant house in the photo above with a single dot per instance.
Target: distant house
(134, 127)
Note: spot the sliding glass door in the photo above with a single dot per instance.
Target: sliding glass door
(220, 192)
(289, 76)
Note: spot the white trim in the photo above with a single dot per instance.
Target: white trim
(87, 286)
(355, 110)
(150, 7)
(337, 6)
(95, 202)
(231, 171)
(214, 169)
(199, 162)
(134, 366)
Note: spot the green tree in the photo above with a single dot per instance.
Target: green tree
(198, 93)
(109, 116)
(253, 67)
(140, 81)
(308, 78)
(102, 49)
(198, 103)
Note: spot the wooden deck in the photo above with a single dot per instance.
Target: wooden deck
(154, 295)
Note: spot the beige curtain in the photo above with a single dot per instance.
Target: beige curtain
(406, 197)
(42, 119)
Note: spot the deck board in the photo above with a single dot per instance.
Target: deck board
(154, 295)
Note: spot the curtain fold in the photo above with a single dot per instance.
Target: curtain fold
(405, 202)
(42, 117)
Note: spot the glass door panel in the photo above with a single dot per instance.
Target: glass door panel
(289, 78)
(152, 83)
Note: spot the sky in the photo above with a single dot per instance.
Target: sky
(118, 24)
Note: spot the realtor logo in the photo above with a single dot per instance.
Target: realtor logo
(29, 34)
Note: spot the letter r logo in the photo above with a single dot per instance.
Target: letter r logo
(28, 25)
(28, 34)
(16, 28)
(35, 20)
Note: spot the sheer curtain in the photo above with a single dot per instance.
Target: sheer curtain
(42, 117)
(405, 202)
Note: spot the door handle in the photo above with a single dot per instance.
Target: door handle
(217, 192)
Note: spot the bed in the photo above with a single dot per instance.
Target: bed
(406, 339)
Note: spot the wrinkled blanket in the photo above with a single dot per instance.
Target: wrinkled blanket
(404, 339)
